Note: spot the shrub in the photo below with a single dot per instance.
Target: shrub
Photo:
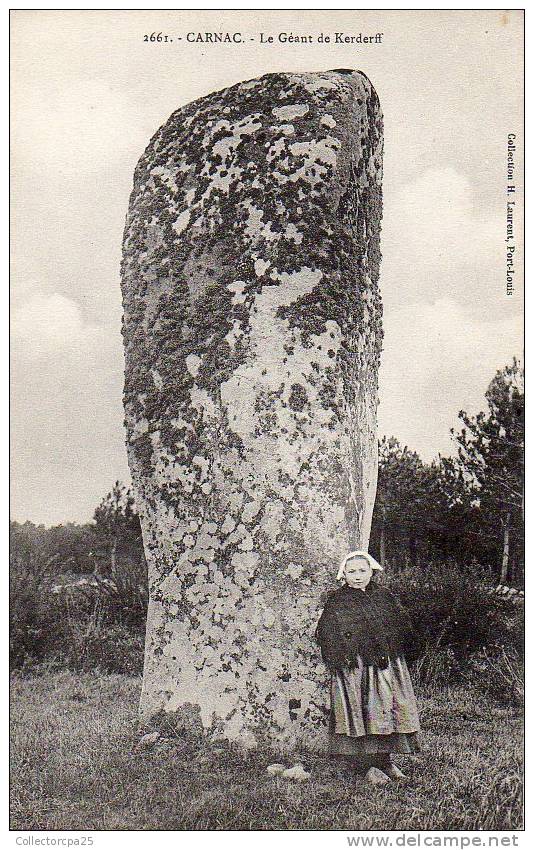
(463, 629)
(98, 644)
(457, 618)
(124, 595)
(34, 619)
(500, 675)
(97, 626)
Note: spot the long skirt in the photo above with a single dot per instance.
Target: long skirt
(373, 710)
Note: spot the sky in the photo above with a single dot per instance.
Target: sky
(86, 99)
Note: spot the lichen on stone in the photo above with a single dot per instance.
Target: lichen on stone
(252, 335)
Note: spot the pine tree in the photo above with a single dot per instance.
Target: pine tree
(400, 501)
(117, 523)
(491, 456)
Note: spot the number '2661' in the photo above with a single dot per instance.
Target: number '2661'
(156, 36)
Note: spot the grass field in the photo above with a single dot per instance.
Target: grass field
(75, 766)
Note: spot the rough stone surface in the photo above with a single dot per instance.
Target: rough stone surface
(252, 333)
(296, 772)
(376, 776)
(276, 769)
(148, 740)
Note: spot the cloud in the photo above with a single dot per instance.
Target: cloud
(437, 360)
(74, 129)
(47, 326)
(448, 323)
(66, 419)
(438, 242)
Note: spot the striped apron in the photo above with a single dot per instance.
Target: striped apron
(373, 710)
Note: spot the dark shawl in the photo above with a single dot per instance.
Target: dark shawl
(369, 623)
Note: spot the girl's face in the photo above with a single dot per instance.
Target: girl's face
(358, 572)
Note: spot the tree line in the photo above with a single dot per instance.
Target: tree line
(466, 508)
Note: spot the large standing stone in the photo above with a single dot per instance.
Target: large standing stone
(252, 332)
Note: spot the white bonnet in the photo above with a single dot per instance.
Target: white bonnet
(373, 564)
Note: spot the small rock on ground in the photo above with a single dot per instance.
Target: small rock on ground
(147, 740)
(276, 769)
(394, 772)
(376, 776)
(296, 772)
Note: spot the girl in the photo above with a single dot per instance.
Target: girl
(363, 632)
